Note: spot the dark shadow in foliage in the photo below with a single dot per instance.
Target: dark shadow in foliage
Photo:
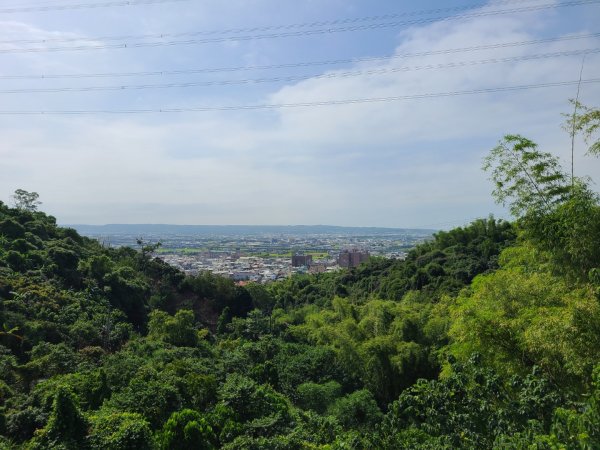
(66, 428)
(208, 295)
(128, 292)
(470, 408)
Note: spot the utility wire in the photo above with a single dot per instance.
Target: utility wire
(301, 33)
(84, 6)
(334, 75)
(28, 3)
(305, 104)
(298, 64)
(265, 28)
(25, 3)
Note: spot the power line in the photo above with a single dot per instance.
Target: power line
(305, 104)
(25, 3)
(296, 33)
(265, 28)
(348, 74)
(300, 64)
(85, 6)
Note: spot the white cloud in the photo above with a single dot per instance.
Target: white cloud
(397, 163)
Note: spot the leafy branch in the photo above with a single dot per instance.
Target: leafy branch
(525, 179)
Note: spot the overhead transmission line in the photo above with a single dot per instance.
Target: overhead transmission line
(300, 64)
(304, 104)
(320, 31)
(28, 3)
(21, 9)
(334, 75)
(264, 28)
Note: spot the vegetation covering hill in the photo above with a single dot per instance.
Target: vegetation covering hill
(488, 336)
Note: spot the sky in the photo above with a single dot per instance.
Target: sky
(207, 158)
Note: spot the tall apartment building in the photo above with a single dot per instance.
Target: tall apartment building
(301, 260)
(352, 258)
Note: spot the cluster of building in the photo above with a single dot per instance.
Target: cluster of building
(262, 269)
(346, 259)
(265, 254)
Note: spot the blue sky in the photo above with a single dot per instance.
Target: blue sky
(403, 163)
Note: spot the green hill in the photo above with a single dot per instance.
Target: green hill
(487, 336)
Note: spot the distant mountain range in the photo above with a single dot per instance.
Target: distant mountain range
(240, 230)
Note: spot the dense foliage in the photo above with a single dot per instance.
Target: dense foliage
(486, 336)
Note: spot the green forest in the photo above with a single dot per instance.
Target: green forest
(486, 336)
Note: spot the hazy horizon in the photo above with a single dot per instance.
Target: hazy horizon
(199, 226)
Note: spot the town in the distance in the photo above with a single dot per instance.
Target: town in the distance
(261, 253)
